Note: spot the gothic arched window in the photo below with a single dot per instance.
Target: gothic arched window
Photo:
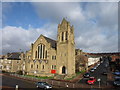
(36, 54)
(62, 36)
(66, 36)
(46, 54)
(41, 51)
(38, 51)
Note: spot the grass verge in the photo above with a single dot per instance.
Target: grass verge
(78, 73)
(38, 77)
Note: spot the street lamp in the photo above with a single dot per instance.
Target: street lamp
(99, 81)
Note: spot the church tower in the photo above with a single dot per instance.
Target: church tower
(65, 49)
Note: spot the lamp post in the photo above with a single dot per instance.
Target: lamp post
(99, 81)
(16, 87)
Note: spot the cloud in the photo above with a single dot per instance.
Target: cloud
(56, 11)
(16, 38)
(95, 26)
(106, 13)
(96, 41)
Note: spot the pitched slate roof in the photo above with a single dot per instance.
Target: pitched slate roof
(51, 41)
(14, 56)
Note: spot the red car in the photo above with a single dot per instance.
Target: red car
(91, 80)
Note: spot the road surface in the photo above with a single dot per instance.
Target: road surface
(98, 75)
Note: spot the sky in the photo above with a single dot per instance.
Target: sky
(95, 24)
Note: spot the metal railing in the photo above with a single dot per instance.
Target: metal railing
(60, 84)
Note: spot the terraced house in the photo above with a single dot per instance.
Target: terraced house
(12, 62)
(49, 57)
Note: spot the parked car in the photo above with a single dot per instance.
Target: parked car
(116, 82)
(95, 68)
(91, 80)
(101, 62)
(116, 73)
(92, 70)
(98, 64)
(86, 75)
(43, 85)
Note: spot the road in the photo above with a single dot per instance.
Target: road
(11, 82)
(98, 75)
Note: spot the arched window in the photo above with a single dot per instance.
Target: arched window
(66, 36)
(43, 51)
(37, 66)
(46, 54)
(31, 65)
(62, 36)
(36, 54)
(43, 67)
(40, 51)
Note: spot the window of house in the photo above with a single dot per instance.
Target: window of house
(28, 57)
(41, 51)
(43, 67)
(38, 51)
(5, 66)
(53, 67)
(31, 65)
(53, 57)
(36, 54)
(62, 36)
(46, 54)
(37, 66)
(66, 36)
(76, 53)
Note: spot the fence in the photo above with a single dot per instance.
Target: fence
(60, 84)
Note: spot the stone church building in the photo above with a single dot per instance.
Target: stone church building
(49, 57)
